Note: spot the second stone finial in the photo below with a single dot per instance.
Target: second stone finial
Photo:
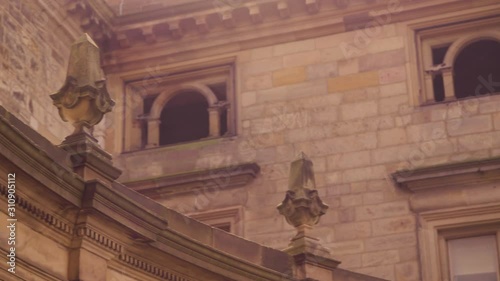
(302, 205)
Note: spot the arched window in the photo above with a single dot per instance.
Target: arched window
(457, 60)
(184, 118)
(182, 107)
(476, 69)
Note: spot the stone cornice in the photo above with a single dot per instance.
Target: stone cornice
(40, 214)
(223, 178)
(93, 17)
(145, 40)
(129, 213)
(456, 174)
(148, 267)
(29, 150)
(171, 242)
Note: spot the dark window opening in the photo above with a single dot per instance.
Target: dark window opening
(438, 87)
(476, 69)
(220, 91)
(438, 55)
(147, 103)
(184, 118)
(223, 226)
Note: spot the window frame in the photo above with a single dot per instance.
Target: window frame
(457, 30)
(171, 80)
(232, 216)
(464, 232)
(446, 199)
(439, 226)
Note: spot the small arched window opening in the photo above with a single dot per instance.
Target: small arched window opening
(184, 118)
(476, 69)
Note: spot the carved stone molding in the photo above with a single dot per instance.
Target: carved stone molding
(206, 15)
(464, 173)
(99, 238)
(456, 185)
(94, 18)
(148, 267)
(39, 214)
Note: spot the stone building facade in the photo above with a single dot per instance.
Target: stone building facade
(393, 101)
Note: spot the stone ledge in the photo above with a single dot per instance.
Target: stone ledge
(464, 173)
(223, 178)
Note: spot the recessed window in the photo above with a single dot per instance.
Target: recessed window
(223, 226)
(181, 106)
(457, 61)
(227, 219)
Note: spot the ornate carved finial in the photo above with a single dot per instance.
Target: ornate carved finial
(83, 99)
(302, 205)
(302, 208)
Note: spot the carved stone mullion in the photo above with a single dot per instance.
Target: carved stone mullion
(214, 121)
(153, 133)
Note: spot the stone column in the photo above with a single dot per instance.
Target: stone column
(214, 121)
(153, 133)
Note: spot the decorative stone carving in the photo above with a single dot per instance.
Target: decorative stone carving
(302, 205)
(83, 99)
(302, 208)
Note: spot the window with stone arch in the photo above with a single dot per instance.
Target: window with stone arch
(176, 106)
(457, 60)
(188, 112)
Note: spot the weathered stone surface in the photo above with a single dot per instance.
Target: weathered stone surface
(391, 137)
(359, 110)
(352, 231)
(391, 209)
(382, 60)
(470, 125)
(392, 75)
(380, 258)
(289, 76)
(353, 81)
(322, 70)
(394, 241)
(393, 225)
(258, 82)
(293, 47)
(262, 66)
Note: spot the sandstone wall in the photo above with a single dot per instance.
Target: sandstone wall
(34, 48)
(350, 111)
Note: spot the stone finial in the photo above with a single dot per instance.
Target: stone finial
(302, 208)
(302, 205)
(83, 99)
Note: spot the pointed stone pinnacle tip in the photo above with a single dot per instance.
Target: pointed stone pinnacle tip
(86, 38)
(302, 156)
